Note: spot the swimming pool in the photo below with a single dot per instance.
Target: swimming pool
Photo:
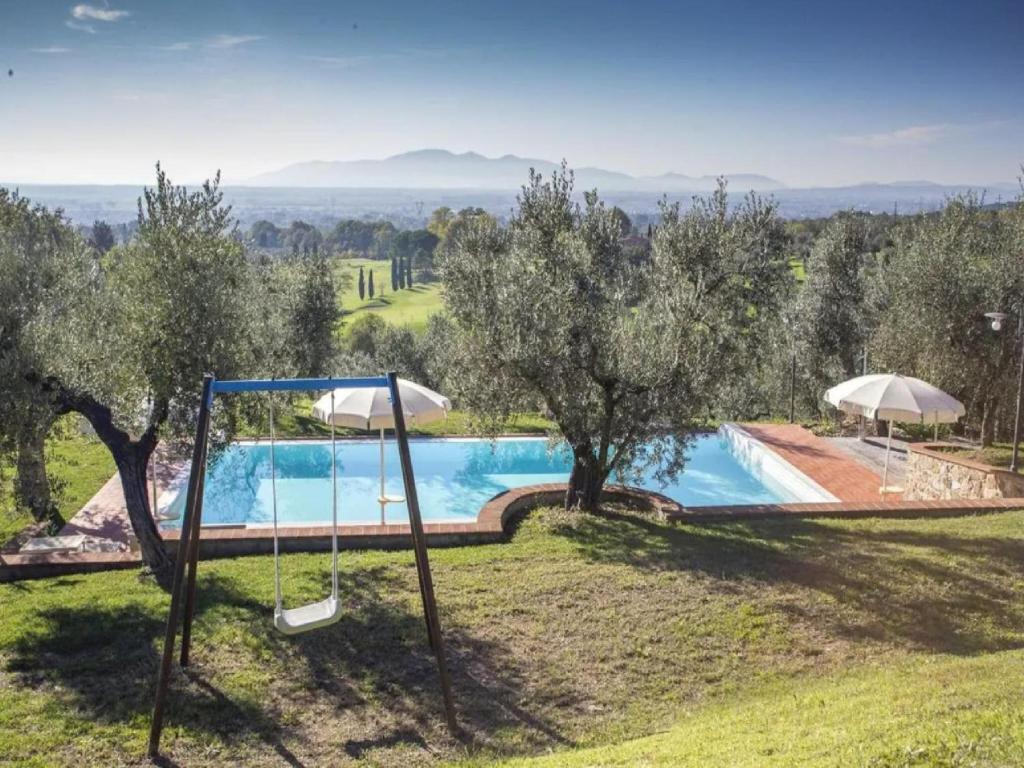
(455, 477)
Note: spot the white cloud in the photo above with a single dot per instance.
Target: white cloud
(334, 61)
(84, 11)
(218, 42)
(348, 61)
(344, 62)
(71, 24)
(231, 41)
(913, 135)
(50, 49)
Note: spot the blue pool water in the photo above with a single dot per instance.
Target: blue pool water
(454, 479)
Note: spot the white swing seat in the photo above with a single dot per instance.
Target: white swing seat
(294, 621)
(391, 499)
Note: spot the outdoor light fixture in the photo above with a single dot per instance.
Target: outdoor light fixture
(997, 319)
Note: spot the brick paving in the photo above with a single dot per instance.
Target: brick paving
(827, 465)
(105, 516)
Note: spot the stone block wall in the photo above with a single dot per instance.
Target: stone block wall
(935, 475)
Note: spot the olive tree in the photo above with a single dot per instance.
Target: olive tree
(946, 271)
(130, 353)
(547, 311)
(832, 317)
(313, 314)
(46, 271)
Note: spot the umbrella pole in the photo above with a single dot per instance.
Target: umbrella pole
(885, 472)
(383, 502)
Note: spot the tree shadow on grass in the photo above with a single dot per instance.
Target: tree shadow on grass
(378, 657)
(373, 674)
(106, 659)
(932, 590)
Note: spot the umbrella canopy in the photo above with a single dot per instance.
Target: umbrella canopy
(370, 407)
(891, 397)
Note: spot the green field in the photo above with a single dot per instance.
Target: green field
(600, 640)
(411, 307)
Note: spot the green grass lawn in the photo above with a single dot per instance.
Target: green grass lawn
(995, 455)
(411, 307)
(79, 465)
(943, 710)
(297, 421)
(798, 642)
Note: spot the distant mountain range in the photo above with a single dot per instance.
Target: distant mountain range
(441, 169)
(407, 187)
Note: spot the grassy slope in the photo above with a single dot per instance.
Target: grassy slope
(938, 711)
(411, 307)
(80, 465)
(580, 632)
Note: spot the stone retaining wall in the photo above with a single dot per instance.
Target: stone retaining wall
(933, 474)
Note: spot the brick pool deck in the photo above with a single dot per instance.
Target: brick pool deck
(853, 484)
(829, 466)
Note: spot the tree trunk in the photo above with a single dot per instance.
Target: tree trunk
(988, 423)
(131, 467)
(131, 458)
(585, 484)
(31, 486)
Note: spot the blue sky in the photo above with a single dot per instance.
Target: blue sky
(812, 93)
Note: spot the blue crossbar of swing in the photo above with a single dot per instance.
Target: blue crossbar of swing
(271, 385)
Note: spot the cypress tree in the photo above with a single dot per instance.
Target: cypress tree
(408, 272)
(362, 285)
(401, 272)
(370, 286)
(394, 274)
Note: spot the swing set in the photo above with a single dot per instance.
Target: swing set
(313, 615)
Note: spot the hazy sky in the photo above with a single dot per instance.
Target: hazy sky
(812, 93)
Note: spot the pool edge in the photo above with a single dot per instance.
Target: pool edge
(769, 469)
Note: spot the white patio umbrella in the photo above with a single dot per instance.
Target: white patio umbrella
(370, 408)
(891, 397)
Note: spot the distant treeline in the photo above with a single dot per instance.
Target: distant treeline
(380, 240)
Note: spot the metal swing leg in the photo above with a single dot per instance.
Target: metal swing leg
(422, 561)
(186, 551)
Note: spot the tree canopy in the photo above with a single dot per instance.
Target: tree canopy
(46, 273)
(625, 359)
(944, 272)
(127, 346)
